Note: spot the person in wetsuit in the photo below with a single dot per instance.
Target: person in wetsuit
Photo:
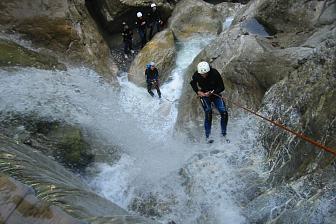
(127, 35)
(208, 85)
(152, 79)
(141, 24)
(155, 20)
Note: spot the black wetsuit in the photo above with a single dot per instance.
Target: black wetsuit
(155, 21)
(152, 79)
(142, 29)
(127, 35)
(212, 82)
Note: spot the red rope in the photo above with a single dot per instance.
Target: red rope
(300, 135)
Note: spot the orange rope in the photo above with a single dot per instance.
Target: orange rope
(300, 135)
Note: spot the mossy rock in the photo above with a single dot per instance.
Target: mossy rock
(71, 147)
(12, 54)
(58, 139)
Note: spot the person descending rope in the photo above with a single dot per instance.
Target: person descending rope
(152, 79)
(155, 20)
(142, 30)
(208, 85)
(127, 35)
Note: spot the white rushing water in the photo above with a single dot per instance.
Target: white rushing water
(164, 190)
(157, 175)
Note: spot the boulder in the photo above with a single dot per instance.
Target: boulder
(60, 140)
(191, 17)
(161, 50)
(13, 54)
(64, 27)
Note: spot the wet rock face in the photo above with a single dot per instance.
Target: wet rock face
(290, 16)
(161, 50)
(303, 102)
(308, 199)
(19, 205)
(65, 28)
(190, 17)
(13, 54)
(292, 21)
(59, 140)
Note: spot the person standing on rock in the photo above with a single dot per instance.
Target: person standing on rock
(152, 79)
(208, 85)
(142, 28)
(127, 35)
(155, 21)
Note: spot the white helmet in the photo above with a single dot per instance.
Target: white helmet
(152, 63)
(139, 14)
(153, 5)
(203, 67)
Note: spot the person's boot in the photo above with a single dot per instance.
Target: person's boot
(209, 140)
(225, 139)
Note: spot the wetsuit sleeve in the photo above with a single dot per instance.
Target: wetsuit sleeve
(219, 83)
(193, 84)
(147, 75)
(156, 76)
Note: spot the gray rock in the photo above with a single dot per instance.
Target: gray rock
(227, 9)
(303, 200)
(302, 102)
(190, 17)
(328, 13)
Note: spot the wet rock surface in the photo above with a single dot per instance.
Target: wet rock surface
(13, 54)
(20, 205)
(192, 17)
(305, 97)
(61, 28)
(60, 140)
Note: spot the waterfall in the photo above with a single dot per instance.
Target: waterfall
(154, 173)
(158, 174)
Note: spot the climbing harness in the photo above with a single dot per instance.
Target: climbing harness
(300, 135)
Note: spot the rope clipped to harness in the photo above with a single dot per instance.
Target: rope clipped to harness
(300, 135)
